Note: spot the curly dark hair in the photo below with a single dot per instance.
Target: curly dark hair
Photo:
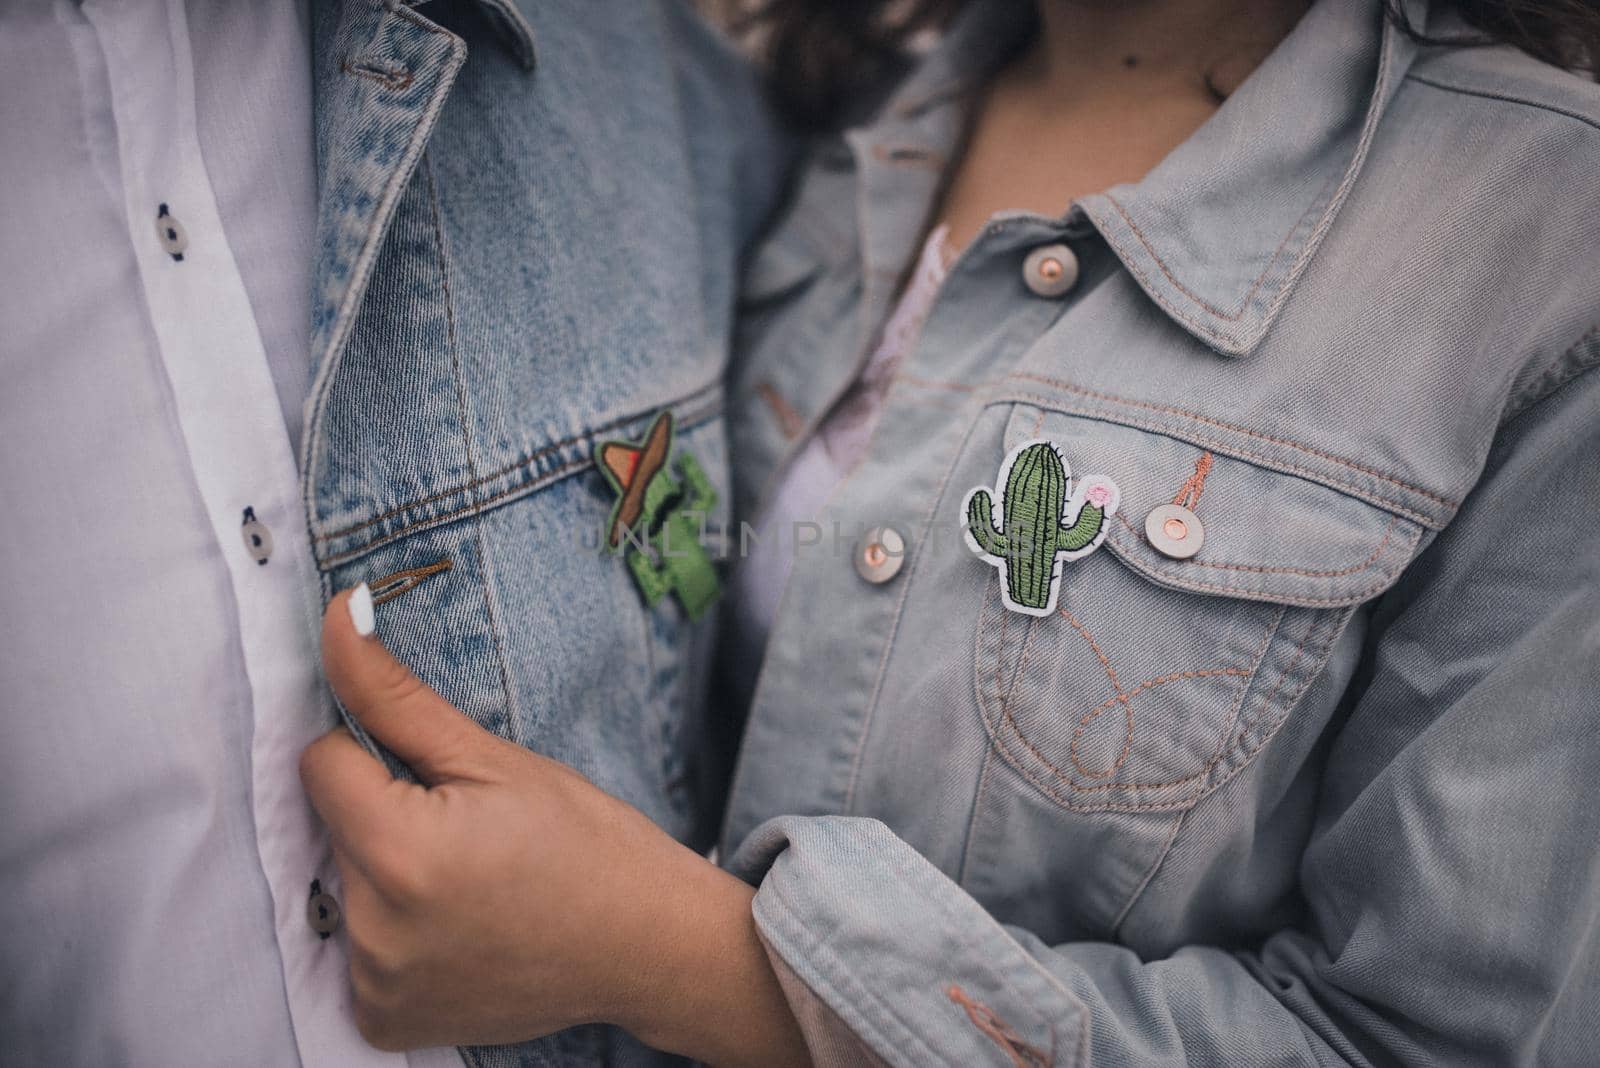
(823, 54)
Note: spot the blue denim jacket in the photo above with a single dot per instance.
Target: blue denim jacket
(530, 222)
(1321, 793)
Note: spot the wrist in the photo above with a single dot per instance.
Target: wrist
(701, 985)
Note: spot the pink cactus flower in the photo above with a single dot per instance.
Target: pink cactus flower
(1098, 493)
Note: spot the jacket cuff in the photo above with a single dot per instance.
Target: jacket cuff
(901, 960)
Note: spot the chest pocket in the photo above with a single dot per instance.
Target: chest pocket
(1157, 678)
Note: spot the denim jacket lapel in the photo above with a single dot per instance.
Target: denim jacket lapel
(1219, 232)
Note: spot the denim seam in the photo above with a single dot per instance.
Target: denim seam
(537, 454)
(468, 421)
(1149, 875)
(1353, 569)
(1013, 758)
(1488, 94)
(1126, 700)
(846, 1007)
(1008, 719)
(328, 361)
(1569, 366)
(1329, 210)
(1319, 203)
(972, 816)
(1388, 504)
(899, 608)
(1164, 409)
(1352, 597)
(937, 900)
(478, 505)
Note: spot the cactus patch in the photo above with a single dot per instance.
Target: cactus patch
(659, 519)
(1034, 521)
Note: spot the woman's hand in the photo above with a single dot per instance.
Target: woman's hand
(508, 897)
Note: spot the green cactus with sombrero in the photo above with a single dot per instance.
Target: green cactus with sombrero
(1040, 521)
(658, 520)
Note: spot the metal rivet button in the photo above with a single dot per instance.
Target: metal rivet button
(880, 554)
(171, 232)
(1050, 270)
(257, 538)
(1174, 531)
(322, 911)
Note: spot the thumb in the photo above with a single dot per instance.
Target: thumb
(398, 709)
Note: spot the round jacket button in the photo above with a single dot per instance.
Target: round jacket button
(322, 913)
(880, 554)
(257, 538)
(171, 232)
(1174, 531)
(1050, 270)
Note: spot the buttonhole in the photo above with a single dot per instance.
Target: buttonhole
(391, 586)
(390, 77)
(913, 155)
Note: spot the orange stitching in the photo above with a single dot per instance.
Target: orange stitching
(1105, 662)
(1216, 758)
(790, 424)
(1189, 496)
(1222, 745)
(1008, 716)
(985, 1019)
(1169, 410)
(1308, 602)
(1388, 532)
(1388, 504)
(396, 583)
(1126, 701)
(474, 507)
(491, 476)
(1127, 706)
(1293, 663)
(1244, 303)
(1357, 158)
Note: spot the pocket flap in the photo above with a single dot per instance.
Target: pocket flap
(1267, 535)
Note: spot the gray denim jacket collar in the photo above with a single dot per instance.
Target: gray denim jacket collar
(1220, 255)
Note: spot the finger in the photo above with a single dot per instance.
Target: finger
(401, 711)
(350, 789)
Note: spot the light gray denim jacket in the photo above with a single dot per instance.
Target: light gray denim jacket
(1321, 793)
(530, 223)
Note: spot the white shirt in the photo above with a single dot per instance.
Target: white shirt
(157, 682)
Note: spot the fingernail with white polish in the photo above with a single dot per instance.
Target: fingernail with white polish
(361, 610)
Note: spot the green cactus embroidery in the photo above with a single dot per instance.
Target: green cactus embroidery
(658, 521)
(1039, 522)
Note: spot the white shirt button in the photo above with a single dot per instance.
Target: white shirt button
(1050, 270)
(171, 232)
(257, 538)
(1174, 531)
(880, 554)
(322, 911)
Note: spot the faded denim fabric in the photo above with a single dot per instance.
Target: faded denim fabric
(1321, 794)
(530, 224)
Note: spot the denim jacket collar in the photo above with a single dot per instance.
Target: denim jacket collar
(381, 73)
(1218, 232)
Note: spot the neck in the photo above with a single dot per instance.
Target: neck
(1212, 45)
